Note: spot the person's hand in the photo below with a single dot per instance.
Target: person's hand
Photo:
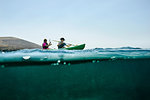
(50, 43)
(69, 45)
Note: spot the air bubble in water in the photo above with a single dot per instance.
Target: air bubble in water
(2, 66)
(93, 61)
(58, 61)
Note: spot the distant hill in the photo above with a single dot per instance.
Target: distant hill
(130, 48)
(13, 43)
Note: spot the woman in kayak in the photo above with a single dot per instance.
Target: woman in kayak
(45, 45)
(61, 44)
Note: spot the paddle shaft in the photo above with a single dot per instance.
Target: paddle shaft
(66, 43)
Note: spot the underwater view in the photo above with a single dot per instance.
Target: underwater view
(91, 74)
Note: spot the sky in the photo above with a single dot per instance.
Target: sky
(97, 23)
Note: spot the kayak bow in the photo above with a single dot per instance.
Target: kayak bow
(77, 47)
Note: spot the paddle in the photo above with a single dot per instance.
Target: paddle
(49, 40)
(66, 43)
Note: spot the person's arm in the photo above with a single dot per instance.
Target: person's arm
(68, 45)
(49, 44)
(58, 44)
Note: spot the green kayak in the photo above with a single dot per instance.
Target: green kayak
(78, 47)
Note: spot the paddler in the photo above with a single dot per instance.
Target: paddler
(61, 44)
(45, 45)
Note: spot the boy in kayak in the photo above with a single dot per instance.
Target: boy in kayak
(61, 44)
(45, 45)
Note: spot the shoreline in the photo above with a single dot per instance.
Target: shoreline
(14, 44)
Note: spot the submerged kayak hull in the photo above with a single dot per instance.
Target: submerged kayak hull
(78, 47)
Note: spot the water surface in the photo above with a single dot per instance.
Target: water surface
(94, 74)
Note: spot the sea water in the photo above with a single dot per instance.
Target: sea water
(93, 74)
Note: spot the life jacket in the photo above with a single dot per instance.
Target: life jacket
(44, 45)
(61, 45)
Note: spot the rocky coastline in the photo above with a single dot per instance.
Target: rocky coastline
(13, 44)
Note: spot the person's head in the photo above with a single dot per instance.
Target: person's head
(62, 39)
(45, 40)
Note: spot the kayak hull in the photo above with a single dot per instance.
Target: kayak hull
(78, 47)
